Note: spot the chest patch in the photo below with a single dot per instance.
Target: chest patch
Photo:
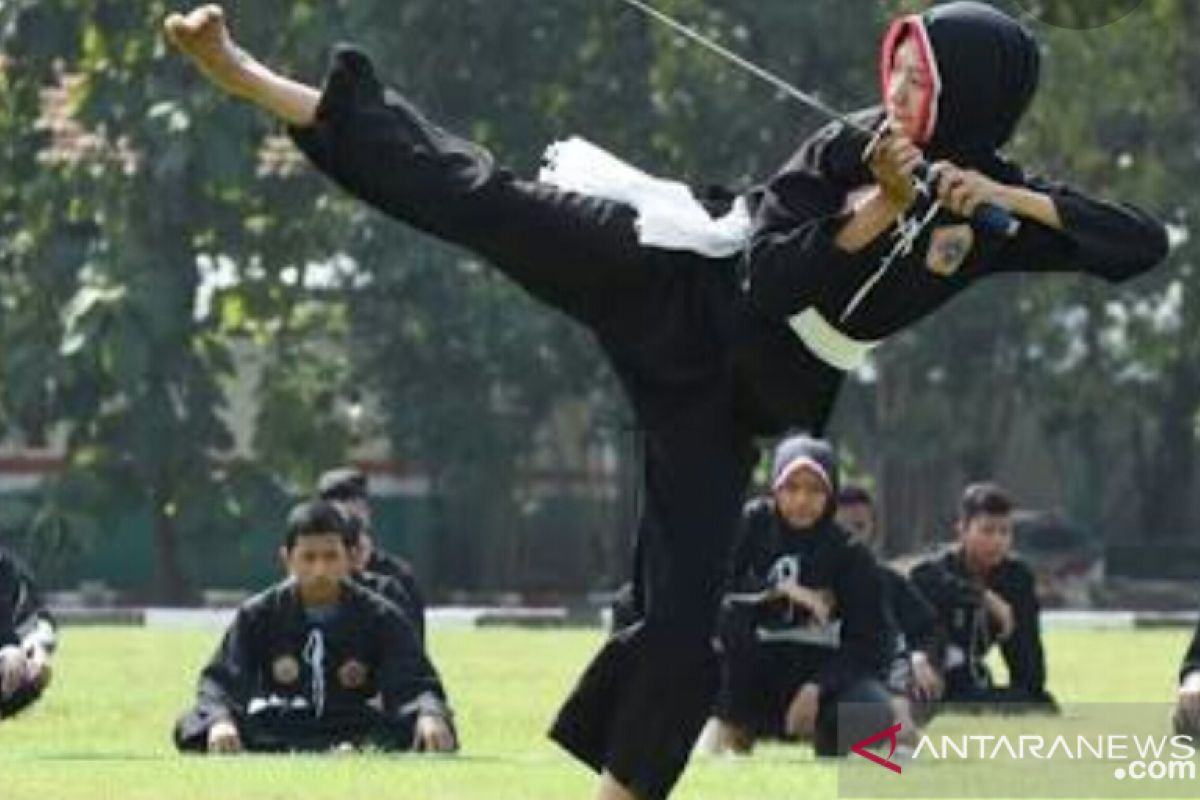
(352, 674)
(949, 246)
(786, 569)
(285, 670)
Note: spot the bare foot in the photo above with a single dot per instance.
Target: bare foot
(203, 36)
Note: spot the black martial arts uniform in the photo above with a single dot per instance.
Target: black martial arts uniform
(913, 621)
(1191, 663)
(704, 372)
(664, 320)
(967, 632)
(350, 484)
(24, 622)
(772, 647)
(1191, 659)
(392, 590)
(292, 679)
(771, 650)
(797, 275)
(392, 566)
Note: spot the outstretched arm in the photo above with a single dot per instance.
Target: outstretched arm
(203, 36)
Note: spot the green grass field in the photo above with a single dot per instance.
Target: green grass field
(103, 731)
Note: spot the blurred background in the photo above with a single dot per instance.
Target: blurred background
(193, 324)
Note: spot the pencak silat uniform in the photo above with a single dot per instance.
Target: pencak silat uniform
(297, 679)
(967, 633)
(1191, 663)
(773, 648)
(1191, 659)
(24, 622)
(704, 371)
(390, 589)
(664, 319)
(913, 621)
(392, 566)
(839, 305)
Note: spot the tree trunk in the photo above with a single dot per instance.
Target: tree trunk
(170, 586)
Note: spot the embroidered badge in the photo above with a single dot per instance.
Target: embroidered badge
(285, 670)
(352, 674)
(949, 246)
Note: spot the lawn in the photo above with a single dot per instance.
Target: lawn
(103, 731)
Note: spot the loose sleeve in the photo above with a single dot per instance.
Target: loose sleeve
(797, 220)
(1113, 241)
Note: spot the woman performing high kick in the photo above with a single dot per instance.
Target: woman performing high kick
(709, 362)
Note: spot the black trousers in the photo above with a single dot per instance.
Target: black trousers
(759, 680)
(664, 320)
(20, 700)
(280, 730)
(967, 693)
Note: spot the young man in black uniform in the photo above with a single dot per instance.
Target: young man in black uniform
(984, 595)
(805, 625)
(913, 677)
(1187, 712)
(349, 488)
(705, 371)
(27, 638)
(318, 662)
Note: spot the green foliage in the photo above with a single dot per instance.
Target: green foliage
(157, 231)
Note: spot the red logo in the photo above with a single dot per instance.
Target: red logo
(860, 748)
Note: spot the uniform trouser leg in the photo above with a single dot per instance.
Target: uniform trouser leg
(643, 701)
(191, 729)
(860, 710)
(1186, 725)
(997, 700)
(279, 731)
(578, 254)
(20, 700)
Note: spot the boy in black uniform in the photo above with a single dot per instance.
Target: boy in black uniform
(984, 595)
(318, 662)
(348, 487)
(705, 371)
(386, 586)
(27, 638)
(913, 677)
(1187, 713)
(805, 627)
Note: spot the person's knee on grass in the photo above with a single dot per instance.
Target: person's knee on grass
(318, 662)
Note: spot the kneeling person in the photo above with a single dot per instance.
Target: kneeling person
(1187, 713)
(27, 638)
(318, 662)
(804, 629)
(985, 595)
(913, 678)
(349, 488)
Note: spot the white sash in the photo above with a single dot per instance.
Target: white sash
(669, 216)
(828, 343)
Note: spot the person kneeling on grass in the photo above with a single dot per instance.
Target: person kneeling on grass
(1187, 713)
(805, 638)
(27, 638)
(984, 595)
(913, 678)
(349, 488)
(318, 662)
